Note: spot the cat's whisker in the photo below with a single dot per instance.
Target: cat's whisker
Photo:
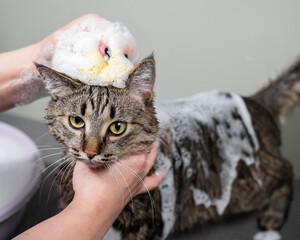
(47, 145)
(158, 138)
(163, 142)
(47, 149)
(110, 167)
(67, 168)
(131, 197)
(142, 181)
(39, 149)
(40, 137)
(43, 180)
(45, 169)
(47, 156)
(36, 177)
(44, 145)
(70, 167)
(48, 175)
(55, 180)
(50, 165)
(49, 190)
(57, 161)
(154, 164)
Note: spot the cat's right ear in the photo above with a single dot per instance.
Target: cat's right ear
(141, 80)
(55, 82)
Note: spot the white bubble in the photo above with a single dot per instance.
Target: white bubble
(95, 52)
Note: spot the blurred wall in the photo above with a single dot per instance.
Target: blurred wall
(229, 45)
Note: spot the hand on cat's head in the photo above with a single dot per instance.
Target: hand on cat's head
(47, 45)
(30, 85)
(120, 182)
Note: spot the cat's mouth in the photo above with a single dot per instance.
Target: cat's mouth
(96, 165)
(93, 161)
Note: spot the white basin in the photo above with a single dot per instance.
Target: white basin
(19, 176)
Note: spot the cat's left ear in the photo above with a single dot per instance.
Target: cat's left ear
(58, 84)
(141, 80)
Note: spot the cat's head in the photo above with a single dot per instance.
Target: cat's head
(102, 124)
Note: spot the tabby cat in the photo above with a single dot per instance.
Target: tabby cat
(222, 150)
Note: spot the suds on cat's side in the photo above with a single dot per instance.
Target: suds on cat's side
(222, 150)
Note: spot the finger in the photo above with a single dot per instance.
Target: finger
(150, 159)
(70, 24)
(83, 168)
(154, 145)
(80, 167)
(152, 182)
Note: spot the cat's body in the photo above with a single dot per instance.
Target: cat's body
(222, 150)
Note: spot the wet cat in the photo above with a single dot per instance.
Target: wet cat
(222, 150)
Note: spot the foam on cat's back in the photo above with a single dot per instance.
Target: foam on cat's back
(233, 120)
(200, 197)
(77, 52)
(166, 187)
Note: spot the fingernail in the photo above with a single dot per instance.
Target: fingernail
(163, 172)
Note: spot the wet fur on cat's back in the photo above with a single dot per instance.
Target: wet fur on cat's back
(222, 150)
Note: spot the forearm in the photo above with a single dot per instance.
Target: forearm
(17, 73)
(20, 82)
(78, 221)
(13, 62)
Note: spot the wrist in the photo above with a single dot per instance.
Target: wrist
(109, 204)
(36, 51)
(97, 215)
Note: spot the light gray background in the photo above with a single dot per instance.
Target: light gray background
(230, 45)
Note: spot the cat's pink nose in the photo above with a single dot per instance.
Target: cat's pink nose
(90, 154)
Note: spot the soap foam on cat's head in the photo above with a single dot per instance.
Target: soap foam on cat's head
(77, 52)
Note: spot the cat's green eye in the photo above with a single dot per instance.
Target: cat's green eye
(76, 122)
(117, 128)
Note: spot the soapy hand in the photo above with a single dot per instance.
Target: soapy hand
(48, 44)
(20, 82)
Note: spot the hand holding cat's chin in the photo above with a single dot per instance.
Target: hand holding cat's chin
(117, 184)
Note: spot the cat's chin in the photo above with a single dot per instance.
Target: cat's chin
(94, 165)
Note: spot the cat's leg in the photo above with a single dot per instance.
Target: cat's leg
(278, 180)
(141, 218)
(274, 215)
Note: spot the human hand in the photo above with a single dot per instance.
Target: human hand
(20, 82)
(102, 194)
(117, 183)
(47, 46)
(42, 52)
(99, 198)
